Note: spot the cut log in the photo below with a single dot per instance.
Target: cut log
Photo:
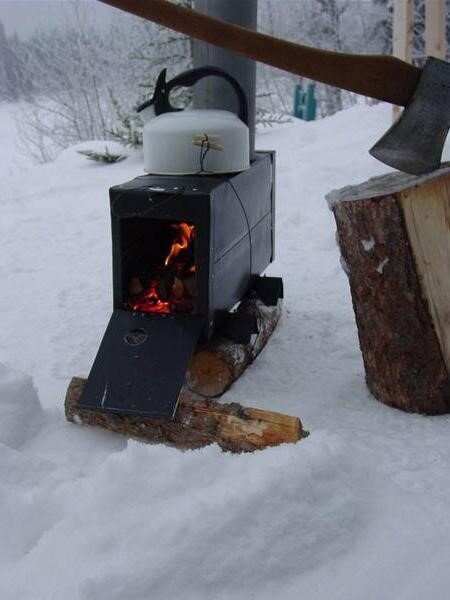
(215, 366)
(198, 422)
(394, 237)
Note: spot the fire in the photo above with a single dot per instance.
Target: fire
(149, 301)
(173, 286)
(184, 238)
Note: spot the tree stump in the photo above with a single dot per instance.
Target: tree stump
(198, 422)
(394, 237)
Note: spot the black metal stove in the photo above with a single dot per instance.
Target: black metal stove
(186, 249)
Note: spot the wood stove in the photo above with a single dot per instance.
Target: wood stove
(186, 249)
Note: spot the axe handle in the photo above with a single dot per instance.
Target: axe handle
(382, 77)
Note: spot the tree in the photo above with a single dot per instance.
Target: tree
(382, 26)
(327, 26)
(13, 82)
(87, 80)
(339, 25)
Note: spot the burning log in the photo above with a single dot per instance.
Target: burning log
(394, 238)
(190, 286)
(198, 422)
(178, 288)
(215, 366)
(171, 285)
(135, 287)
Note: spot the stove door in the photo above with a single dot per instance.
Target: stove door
(141, 364)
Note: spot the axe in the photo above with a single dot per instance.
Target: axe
(413, 144)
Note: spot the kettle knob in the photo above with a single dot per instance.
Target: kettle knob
(160, 99)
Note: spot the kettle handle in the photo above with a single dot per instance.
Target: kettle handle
(189, 78)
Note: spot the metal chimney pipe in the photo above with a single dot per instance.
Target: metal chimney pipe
(213, 92)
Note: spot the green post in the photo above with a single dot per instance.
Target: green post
(305, 104)
(299, 100)
(310, 103)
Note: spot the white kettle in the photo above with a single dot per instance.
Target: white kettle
(200, 141)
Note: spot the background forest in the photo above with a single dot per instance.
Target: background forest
(83, 80)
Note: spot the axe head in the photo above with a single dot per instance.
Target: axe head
(415, 141)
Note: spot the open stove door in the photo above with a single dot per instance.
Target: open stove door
(141, 364)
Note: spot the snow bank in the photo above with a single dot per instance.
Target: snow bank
(220, 525)
(154, 522)
(20, 411)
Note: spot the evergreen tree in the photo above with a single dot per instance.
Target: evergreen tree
(382, 26)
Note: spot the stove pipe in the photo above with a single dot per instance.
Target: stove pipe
(213, 92)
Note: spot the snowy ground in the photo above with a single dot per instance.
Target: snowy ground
(357, 510)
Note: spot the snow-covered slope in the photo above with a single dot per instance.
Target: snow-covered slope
(357, 510)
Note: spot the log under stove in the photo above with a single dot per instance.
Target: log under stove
(186, 250)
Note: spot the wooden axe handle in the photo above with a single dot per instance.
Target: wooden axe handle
(383, 77)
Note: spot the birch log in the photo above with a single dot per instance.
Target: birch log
(216, 365)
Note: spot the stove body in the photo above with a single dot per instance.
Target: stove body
(229, 222)
(234, 221)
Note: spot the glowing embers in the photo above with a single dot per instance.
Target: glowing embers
(159, 266)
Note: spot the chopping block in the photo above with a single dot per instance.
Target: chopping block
(394, 236)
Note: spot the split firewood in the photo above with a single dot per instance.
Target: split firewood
(394, 236)
(135, 288)
(190, 285)
(177, 288)
(216, 365)
(164, 286)
(198, 422)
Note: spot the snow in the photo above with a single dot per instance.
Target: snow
(358, 509)
(10, 155)
(368, 245)
(21, 412)
(381, 265)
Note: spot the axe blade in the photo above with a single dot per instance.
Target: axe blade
(415, 141)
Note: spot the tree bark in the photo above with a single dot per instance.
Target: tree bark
(198, 422)
(394, 237)
(215, 366)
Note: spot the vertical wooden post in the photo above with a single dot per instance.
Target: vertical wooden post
(402, 32)
(435, 25)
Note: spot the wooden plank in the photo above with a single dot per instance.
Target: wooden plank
(403, 22)
(402, 36)
(426, 210)
(435, 26)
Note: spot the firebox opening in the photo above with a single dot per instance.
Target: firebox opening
(158, 266)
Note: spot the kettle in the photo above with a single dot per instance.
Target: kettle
(199, 141)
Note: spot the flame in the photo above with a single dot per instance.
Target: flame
(178, 264)
(149, 301)
(184, 238)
